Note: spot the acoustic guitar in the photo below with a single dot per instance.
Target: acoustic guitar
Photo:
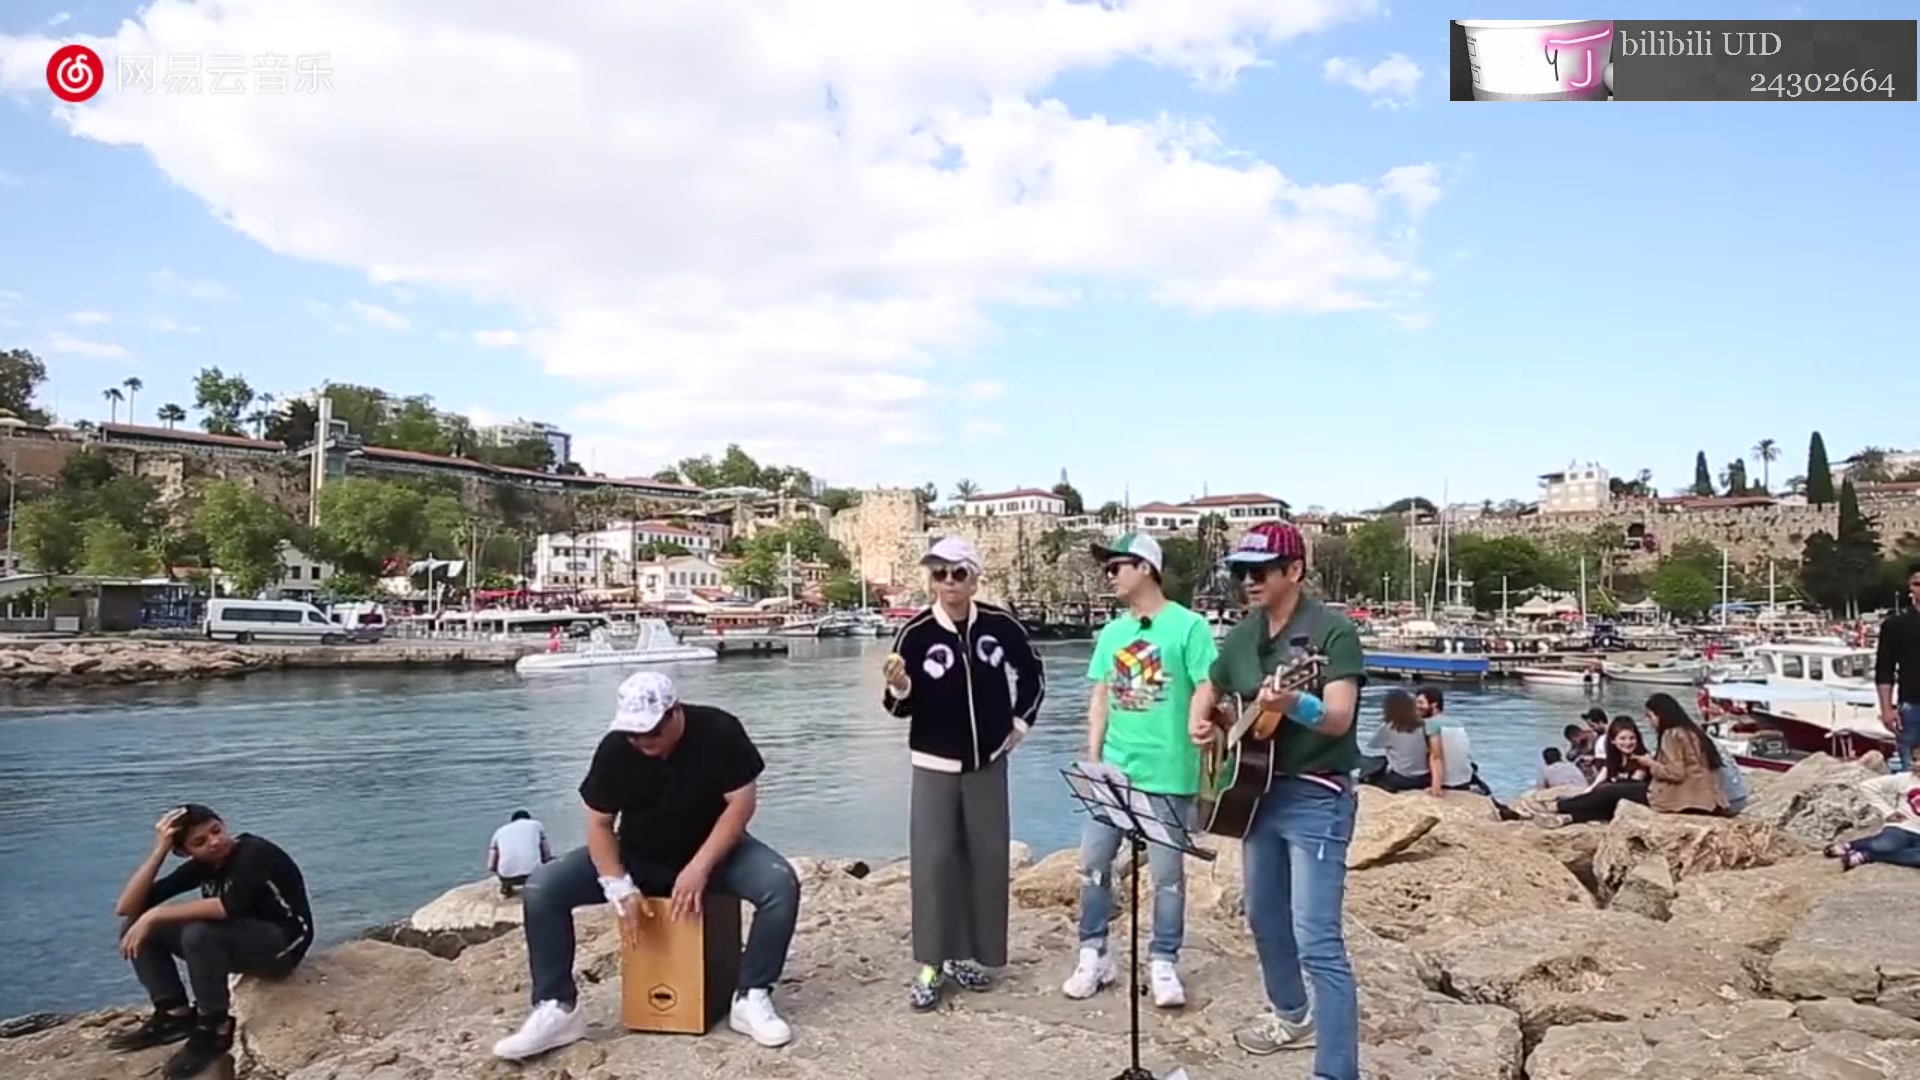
(1236, 768)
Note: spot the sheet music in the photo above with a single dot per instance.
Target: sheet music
(1114, 800)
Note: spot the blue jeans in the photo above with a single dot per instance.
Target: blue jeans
(1907, 740)
(1099, 845)
(1890, 845)
(1295, 857)
(752, 871)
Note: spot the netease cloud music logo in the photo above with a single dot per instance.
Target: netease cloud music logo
(74, 73)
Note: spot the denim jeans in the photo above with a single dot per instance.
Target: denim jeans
(213, 950)
(752, 871)
(1907, 740)
(1100, 844)
(1295, 857)
(1890, 845)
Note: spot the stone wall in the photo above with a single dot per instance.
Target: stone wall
(878, 533)
(1018, 567)
(1752, 536)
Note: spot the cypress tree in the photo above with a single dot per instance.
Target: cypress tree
(1702, 476)
(1854, 527)
(1819, 472)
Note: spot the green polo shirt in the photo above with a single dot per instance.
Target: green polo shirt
(1249, 655)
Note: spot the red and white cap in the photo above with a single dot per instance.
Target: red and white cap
(1268, 542)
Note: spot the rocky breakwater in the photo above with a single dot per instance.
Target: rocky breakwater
(1649, 947)
(122, 661)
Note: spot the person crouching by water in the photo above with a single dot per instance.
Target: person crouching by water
(947, 674)
(668, 798)
(252, 918)
(1401, 739)
(518, 849)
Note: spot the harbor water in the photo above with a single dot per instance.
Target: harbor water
(386, 786)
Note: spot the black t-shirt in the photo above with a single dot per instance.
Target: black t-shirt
(667, 806)
(258, 881)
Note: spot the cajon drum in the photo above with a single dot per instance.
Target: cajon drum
(678, 977)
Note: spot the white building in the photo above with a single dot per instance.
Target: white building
(519, 431)
(1019, 501)
(1244, 509)
(1165, 517)
(666, 532)
(606, 558)
(673, 581)
(1578, 489)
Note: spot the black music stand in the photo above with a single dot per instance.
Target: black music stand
(1143, 818)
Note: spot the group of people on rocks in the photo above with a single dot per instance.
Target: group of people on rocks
(1682, 771)
(672, 789)
(1421, 748)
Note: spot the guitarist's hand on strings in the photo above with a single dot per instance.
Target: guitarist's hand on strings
(1274, 700)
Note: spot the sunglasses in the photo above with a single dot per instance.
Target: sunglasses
(1255, 573)
(956, 574)
(1113, 568)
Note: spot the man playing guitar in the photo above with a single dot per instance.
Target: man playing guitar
(1295, 851)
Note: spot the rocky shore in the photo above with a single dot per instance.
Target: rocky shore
(123, 661)
(1650, 947)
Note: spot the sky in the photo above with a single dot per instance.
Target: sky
(1167, 247)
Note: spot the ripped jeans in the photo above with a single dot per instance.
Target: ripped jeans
(1100, 844)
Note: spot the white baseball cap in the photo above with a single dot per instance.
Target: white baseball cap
(645, 698)
(1133, 545)
(954, 551)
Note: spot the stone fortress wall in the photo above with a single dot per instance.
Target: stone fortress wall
(889, 530)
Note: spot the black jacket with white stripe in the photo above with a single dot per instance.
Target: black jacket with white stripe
(964, 712)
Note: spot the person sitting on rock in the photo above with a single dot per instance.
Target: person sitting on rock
(1557, 772)
(1686, 770)
(1584, 750)
(1622, 776)
(1898, 796)
(1450, 764)
(252, 918)
(668, 798)
(1401, 739)
(518, 849)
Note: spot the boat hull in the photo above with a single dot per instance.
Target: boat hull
(1438, 666)
(1532, 676)
(1652, 677)
(548, 663)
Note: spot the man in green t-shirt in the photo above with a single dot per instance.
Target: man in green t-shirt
(1146, 665)
(1295, 851)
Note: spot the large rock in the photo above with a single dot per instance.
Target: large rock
(1816, 801)
(1591, 966)
(1647, 854)
(1852, 944)
(1755, 1039)
(1755, 908)
(1461, 877)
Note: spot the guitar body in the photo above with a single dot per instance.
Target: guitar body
(1237, 765)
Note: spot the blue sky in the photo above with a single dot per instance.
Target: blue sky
(1627, 284)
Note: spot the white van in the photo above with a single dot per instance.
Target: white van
(361, 620)
(270, 620)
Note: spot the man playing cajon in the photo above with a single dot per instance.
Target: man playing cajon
(668, 798)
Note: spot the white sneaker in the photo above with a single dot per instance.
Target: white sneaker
(1094, 970)
(550, 1027)
(1167, 991)
(753, 1016)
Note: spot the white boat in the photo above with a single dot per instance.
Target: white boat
(1663, 673)
(1771, 724)
(651, 642)
(1557, 676)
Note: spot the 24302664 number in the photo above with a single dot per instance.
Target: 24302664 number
(1795, 84)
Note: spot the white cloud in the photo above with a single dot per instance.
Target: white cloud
(63, 344)
(496, 339)
(840, 193)
(164, 324)
(1413, 320)
(165, 281)
(980, 429)
(89, 318)
(1391, 83)
(375, 315)
(985, 389)
(59, 19)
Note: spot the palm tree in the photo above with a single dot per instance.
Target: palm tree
(1766, 452)
(965, 489)
(133, 386)
(114, 398)
(169, 414)
(257, 420)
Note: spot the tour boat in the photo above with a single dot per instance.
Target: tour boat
(1818, 696)
(652, 642)
(1662, 673)
(1556, 676)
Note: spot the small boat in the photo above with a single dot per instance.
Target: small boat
(1557, 676)
(652, 642)
(1663, 673)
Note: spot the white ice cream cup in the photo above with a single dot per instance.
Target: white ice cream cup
(1539, 59)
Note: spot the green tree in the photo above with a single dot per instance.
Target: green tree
(416, 426)
(365, 522)
(1766, 452)
(1071, 496)
(1842, 572)
(964, 489)
(836, 499)
(1702, 476)
(1683, 589)
(21, 375)
(294, 423)
(1869, 466)
(1183, 566)
(244, 533)
(1418, 504)
(1735, 477)
(49, 533)
(1514, 561)
(1110, 512)
(1819, 472)
(170, 414)
(107, 549)
(840, 589)
(224, 401)
(1334, 568)
(756, 574)
(1378, 549)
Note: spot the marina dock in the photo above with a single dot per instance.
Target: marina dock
(741, 643)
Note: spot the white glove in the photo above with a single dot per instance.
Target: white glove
(620, 892)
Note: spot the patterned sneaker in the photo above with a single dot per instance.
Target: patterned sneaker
(967, 975)
(924, 992)
(1272, 1035)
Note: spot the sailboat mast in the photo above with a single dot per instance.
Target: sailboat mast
(1725, 581)
(1583, 588)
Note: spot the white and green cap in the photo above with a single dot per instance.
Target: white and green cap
(1133, 545)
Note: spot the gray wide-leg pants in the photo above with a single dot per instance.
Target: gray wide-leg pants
(958, 839)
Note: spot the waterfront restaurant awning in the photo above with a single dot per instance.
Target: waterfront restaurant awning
(1540, 607)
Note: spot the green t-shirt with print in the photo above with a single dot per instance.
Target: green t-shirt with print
(1150, 673)
(1249, 655)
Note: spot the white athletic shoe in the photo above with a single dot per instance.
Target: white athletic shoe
(550, 1027)
(1094, 970)
(1167, 991)
(753, 1016)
